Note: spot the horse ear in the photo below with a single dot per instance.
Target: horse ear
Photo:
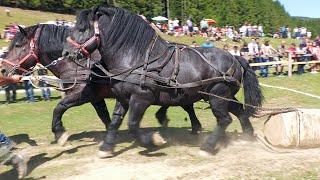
(22, 31)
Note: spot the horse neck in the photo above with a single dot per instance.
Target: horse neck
(48, 53)
(128, 60)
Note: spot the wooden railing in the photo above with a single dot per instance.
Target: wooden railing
(288, 62)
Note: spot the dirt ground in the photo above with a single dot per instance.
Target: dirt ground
(178, 159)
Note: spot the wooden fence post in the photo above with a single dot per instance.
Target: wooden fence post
(289, 64)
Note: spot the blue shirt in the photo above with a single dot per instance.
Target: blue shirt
(207, 45)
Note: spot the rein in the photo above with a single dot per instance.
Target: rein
(82, 47)
(30, 54)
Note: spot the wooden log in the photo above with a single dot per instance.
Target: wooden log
(294, 129)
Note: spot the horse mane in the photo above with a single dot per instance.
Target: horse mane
(51, 39)
(128, 33)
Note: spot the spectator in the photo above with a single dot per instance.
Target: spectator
(44, 85)
(315, 51)
(301, 51)
(29, 90)
(266, 56)
(254, 51)
(204, 27)
(176, 24)
(226, 47)
(282, 52)
(235, 51)
(8, 12)
(207, 44)
(7, 157)
(194, 44)
(190, 26)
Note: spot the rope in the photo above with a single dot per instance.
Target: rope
(274, 110)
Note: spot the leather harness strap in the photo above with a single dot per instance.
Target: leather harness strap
(32, 53)
(95, 37)
(146, 59)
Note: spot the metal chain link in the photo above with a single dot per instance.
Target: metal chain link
(53, 63)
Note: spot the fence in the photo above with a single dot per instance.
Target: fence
(289, 62)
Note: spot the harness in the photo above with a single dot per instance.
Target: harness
(144, 72)
(82, 47)
(31, 53)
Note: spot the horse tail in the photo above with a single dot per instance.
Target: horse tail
(252, 90)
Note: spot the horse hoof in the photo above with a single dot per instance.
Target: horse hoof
(100, 144)
(157, 139)
(204, 153)
(105, 154)
(63, 138)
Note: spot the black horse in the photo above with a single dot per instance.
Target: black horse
(146, 70)
(43, 44)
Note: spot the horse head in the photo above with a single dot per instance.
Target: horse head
(22, 54)
(84, 38)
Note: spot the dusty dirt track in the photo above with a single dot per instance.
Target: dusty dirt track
(179, 159)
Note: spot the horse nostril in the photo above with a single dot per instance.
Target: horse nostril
(3, 71)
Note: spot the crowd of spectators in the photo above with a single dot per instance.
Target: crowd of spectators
(203, 28)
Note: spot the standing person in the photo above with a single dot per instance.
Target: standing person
(301, 51)
(44, 85)
(282, 52)
(254, 51)
(29, 90)
(204, 27)
(7, 157)
(10, 87)
(315, 51)
(190, 26)
(266, 56)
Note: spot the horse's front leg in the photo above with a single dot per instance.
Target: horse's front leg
(102, 111)
(77, 96)
(106, 149)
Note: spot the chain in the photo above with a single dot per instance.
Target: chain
(53, 63)
(274, 110)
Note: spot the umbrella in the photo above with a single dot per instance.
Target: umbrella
(211, 21)
(159, 18)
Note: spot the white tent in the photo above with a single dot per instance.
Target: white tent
(159, 18)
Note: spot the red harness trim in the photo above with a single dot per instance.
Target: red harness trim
(82, 47)
(31, 53)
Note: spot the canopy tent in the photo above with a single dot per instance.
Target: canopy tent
(211, 21)
(159, 18)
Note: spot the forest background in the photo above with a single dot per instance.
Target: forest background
(269, 13)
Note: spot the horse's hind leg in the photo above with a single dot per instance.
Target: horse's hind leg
(161, 115)
(102, 111)
(195, 123)
(237, 110)
(220, 110)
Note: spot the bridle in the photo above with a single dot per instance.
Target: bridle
(82, 47)
(30, 54)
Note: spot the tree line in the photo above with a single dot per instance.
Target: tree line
(268, 13)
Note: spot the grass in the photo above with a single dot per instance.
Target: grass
(25, 122)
